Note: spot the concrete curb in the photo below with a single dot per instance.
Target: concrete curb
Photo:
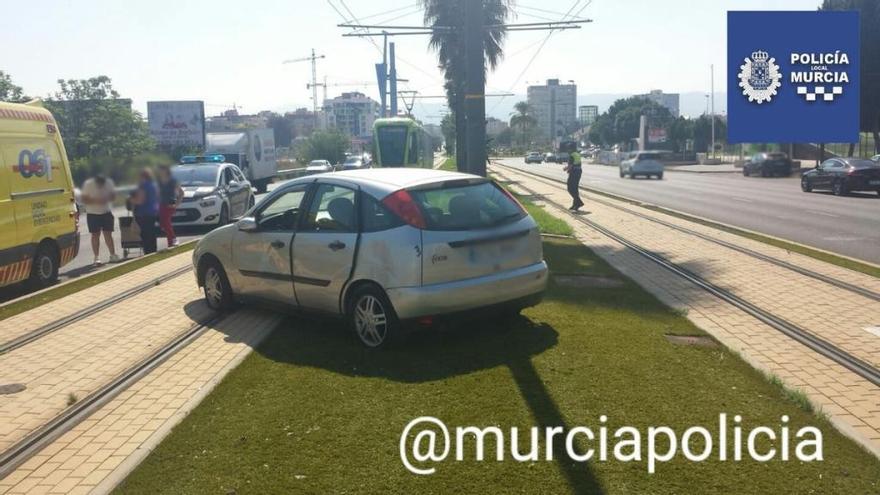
(108, 266)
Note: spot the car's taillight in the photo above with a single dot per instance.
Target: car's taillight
(512, 198)
(402, 204)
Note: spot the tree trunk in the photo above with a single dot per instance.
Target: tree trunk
(852, 150)
(876, 142)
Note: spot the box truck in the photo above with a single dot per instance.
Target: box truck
(253, 150)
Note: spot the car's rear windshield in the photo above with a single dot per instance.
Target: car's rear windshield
(466, 206)
(196, 175)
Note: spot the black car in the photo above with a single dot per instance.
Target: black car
(843, 175)
(768, 165)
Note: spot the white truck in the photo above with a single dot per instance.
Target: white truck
(253, 150)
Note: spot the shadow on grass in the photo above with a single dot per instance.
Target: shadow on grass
(438, 354)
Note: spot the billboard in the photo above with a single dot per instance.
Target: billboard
(793, 76)
(177, 123)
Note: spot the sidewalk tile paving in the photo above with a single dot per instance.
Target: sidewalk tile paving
(99, 452)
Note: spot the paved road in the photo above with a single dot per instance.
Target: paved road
(82, 264)
(845, 225)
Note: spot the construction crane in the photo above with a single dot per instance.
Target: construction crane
(314, 85)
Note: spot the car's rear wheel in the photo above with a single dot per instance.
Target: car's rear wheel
(218, 292)
(660, 176)
(838, 188)
(806, 185)
(44, 267)
(372, 317)
(622, 175)
(746, 171)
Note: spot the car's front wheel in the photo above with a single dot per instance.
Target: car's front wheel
(806, 185)
(622, 175)
(372, 317)
(746, 171)
(218, 292)
(44, 267)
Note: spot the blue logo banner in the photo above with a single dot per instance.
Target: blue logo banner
(793, 77)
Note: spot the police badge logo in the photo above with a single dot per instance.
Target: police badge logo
(760, 77)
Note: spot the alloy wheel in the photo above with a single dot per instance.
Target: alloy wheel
(213, 288)
(370, 320)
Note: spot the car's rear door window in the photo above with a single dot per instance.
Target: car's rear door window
(466, 206)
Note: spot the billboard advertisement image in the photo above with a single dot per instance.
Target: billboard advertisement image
(177, 123)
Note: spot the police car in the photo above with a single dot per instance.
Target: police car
(214, 191)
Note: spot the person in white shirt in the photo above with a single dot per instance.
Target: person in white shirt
(97, 196)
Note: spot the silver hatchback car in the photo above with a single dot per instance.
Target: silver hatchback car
(379, 247)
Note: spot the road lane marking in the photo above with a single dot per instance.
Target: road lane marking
(824, 214)
(743, 200)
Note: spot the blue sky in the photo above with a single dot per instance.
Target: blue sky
(225, 52)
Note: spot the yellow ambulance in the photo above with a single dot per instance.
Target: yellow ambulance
(38, 217)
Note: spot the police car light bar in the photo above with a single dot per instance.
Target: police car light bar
(190, 159)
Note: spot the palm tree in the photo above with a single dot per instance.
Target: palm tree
(522, 118)
(450, 50)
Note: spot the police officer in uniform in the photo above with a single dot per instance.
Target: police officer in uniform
(574, 176)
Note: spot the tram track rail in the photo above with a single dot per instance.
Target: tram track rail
(63, 322)
(73, 415)
(840, 284)
(799, 334)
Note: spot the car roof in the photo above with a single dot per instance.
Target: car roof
(383, 181)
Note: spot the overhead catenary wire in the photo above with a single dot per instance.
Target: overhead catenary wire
(519, 77)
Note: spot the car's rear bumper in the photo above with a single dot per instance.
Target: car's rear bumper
(526, 283)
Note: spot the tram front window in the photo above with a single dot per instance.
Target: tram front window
(392, 145)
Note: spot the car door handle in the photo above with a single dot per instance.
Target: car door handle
(336, 245)
(277, 244)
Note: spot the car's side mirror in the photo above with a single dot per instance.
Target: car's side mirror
(247, 224)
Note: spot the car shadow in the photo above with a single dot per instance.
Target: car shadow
(439, 353)
(858, 195)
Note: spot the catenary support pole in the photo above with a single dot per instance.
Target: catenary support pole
(475, 88)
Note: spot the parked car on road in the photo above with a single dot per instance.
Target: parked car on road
(534, 157)
(354, 163)
(842, 176)
(379, 248)
(318, 167)
(768, 165)
(213, 193)
(549, 157)
(645, 163)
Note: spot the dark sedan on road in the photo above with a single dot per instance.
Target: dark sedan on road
(768, 165)
(842, 176)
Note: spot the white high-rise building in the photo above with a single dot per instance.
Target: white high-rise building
(554, 106)
(587, 114)
(668, 100)
(352, 113)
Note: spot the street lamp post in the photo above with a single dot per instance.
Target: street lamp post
(712, 71)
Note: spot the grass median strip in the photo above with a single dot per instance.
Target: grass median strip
(311, 411)
(60, 291)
